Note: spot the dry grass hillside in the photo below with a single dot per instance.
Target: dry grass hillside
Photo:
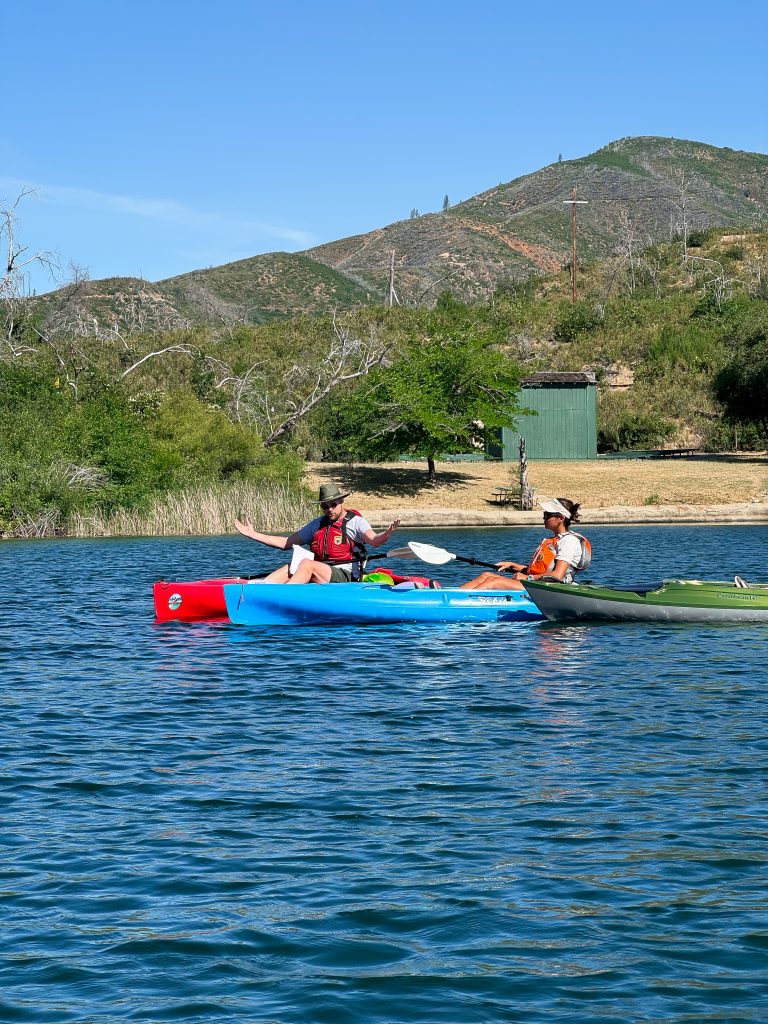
(702, 480)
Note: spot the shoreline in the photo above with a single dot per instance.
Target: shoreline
(754, 513)
(613, 515)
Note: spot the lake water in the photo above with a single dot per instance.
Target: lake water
(464, 823)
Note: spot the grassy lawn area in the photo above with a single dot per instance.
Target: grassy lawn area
(702, 480)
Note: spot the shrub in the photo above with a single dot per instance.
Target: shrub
(203, 442)
(732, 436)
(633, 430)
(694, 346)
(699, 237)
(577, 319)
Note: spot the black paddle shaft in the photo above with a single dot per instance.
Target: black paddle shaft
(475, 561)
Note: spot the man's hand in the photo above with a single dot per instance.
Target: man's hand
(245, 528)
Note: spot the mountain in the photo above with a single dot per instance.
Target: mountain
(644, 189)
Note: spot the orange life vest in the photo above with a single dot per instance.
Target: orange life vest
(544, 556)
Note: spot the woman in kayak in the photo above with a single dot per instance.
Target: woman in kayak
(556, 558)
(337, 539)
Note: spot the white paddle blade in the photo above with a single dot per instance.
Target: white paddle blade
(400, 553)
(429, 553)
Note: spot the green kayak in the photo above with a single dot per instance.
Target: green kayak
(672, 601)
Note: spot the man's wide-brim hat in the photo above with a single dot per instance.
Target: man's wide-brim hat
(331, 492)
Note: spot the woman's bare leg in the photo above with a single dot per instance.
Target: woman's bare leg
(492, 581)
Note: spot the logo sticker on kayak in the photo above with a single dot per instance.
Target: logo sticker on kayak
(174, 602)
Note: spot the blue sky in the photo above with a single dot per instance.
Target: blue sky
(167, 136)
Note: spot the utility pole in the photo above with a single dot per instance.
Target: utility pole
(392, 294)
(574, 203)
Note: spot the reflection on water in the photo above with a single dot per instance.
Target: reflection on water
(501, 821)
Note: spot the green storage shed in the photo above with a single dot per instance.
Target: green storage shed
(566, 424)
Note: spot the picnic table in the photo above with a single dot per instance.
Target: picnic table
(677, 453)
(505, 495)
(653, 453)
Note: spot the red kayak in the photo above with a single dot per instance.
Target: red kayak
(198, 599)
(204, 599)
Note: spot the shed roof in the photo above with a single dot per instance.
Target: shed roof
(537, 379)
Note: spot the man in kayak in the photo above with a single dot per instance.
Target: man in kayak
(337, 539)
(557, 557)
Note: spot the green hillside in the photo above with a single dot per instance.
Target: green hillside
(639, 191)
(262, 288)
(95, 419)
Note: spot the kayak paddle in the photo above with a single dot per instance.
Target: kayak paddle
(439, 556)
(394, 553)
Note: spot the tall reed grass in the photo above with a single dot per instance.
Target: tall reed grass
(271, 507)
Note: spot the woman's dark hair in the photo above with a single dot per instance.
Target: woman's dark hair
(573, 507)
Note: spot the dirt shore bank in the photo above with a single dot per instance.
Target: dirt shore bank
(721, 489)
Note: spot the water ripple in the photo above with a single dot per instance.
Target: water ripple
(517, 822)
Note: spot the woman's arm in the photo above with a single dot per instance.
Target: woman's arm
(271, 541)
(557, 572)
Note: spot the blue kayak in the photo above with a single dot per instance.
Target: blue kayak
(273, 604)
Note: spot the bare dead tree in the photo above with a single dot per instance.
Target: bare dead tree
(184, 349)
(754, 267)
(526, 491)
(275, 406)
(14, 297)
(717, 283)
(629, 243)
(146, 312)
(650, 264)
(433, 284)
(681, 204)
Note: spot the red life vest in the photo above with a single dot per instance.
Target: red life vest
(331, 543)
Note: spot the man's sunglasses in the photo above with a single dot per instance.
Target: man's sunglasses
(325, 505)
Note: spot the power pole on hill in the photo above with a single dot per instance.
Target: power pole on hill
(574, 203)
(392, 294)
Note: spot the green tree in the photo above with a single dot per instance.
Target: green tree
(742, 384)
(441, 397)
(446, 203)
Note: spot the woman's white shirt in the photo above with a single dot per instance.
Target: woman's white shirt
(568, 549)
